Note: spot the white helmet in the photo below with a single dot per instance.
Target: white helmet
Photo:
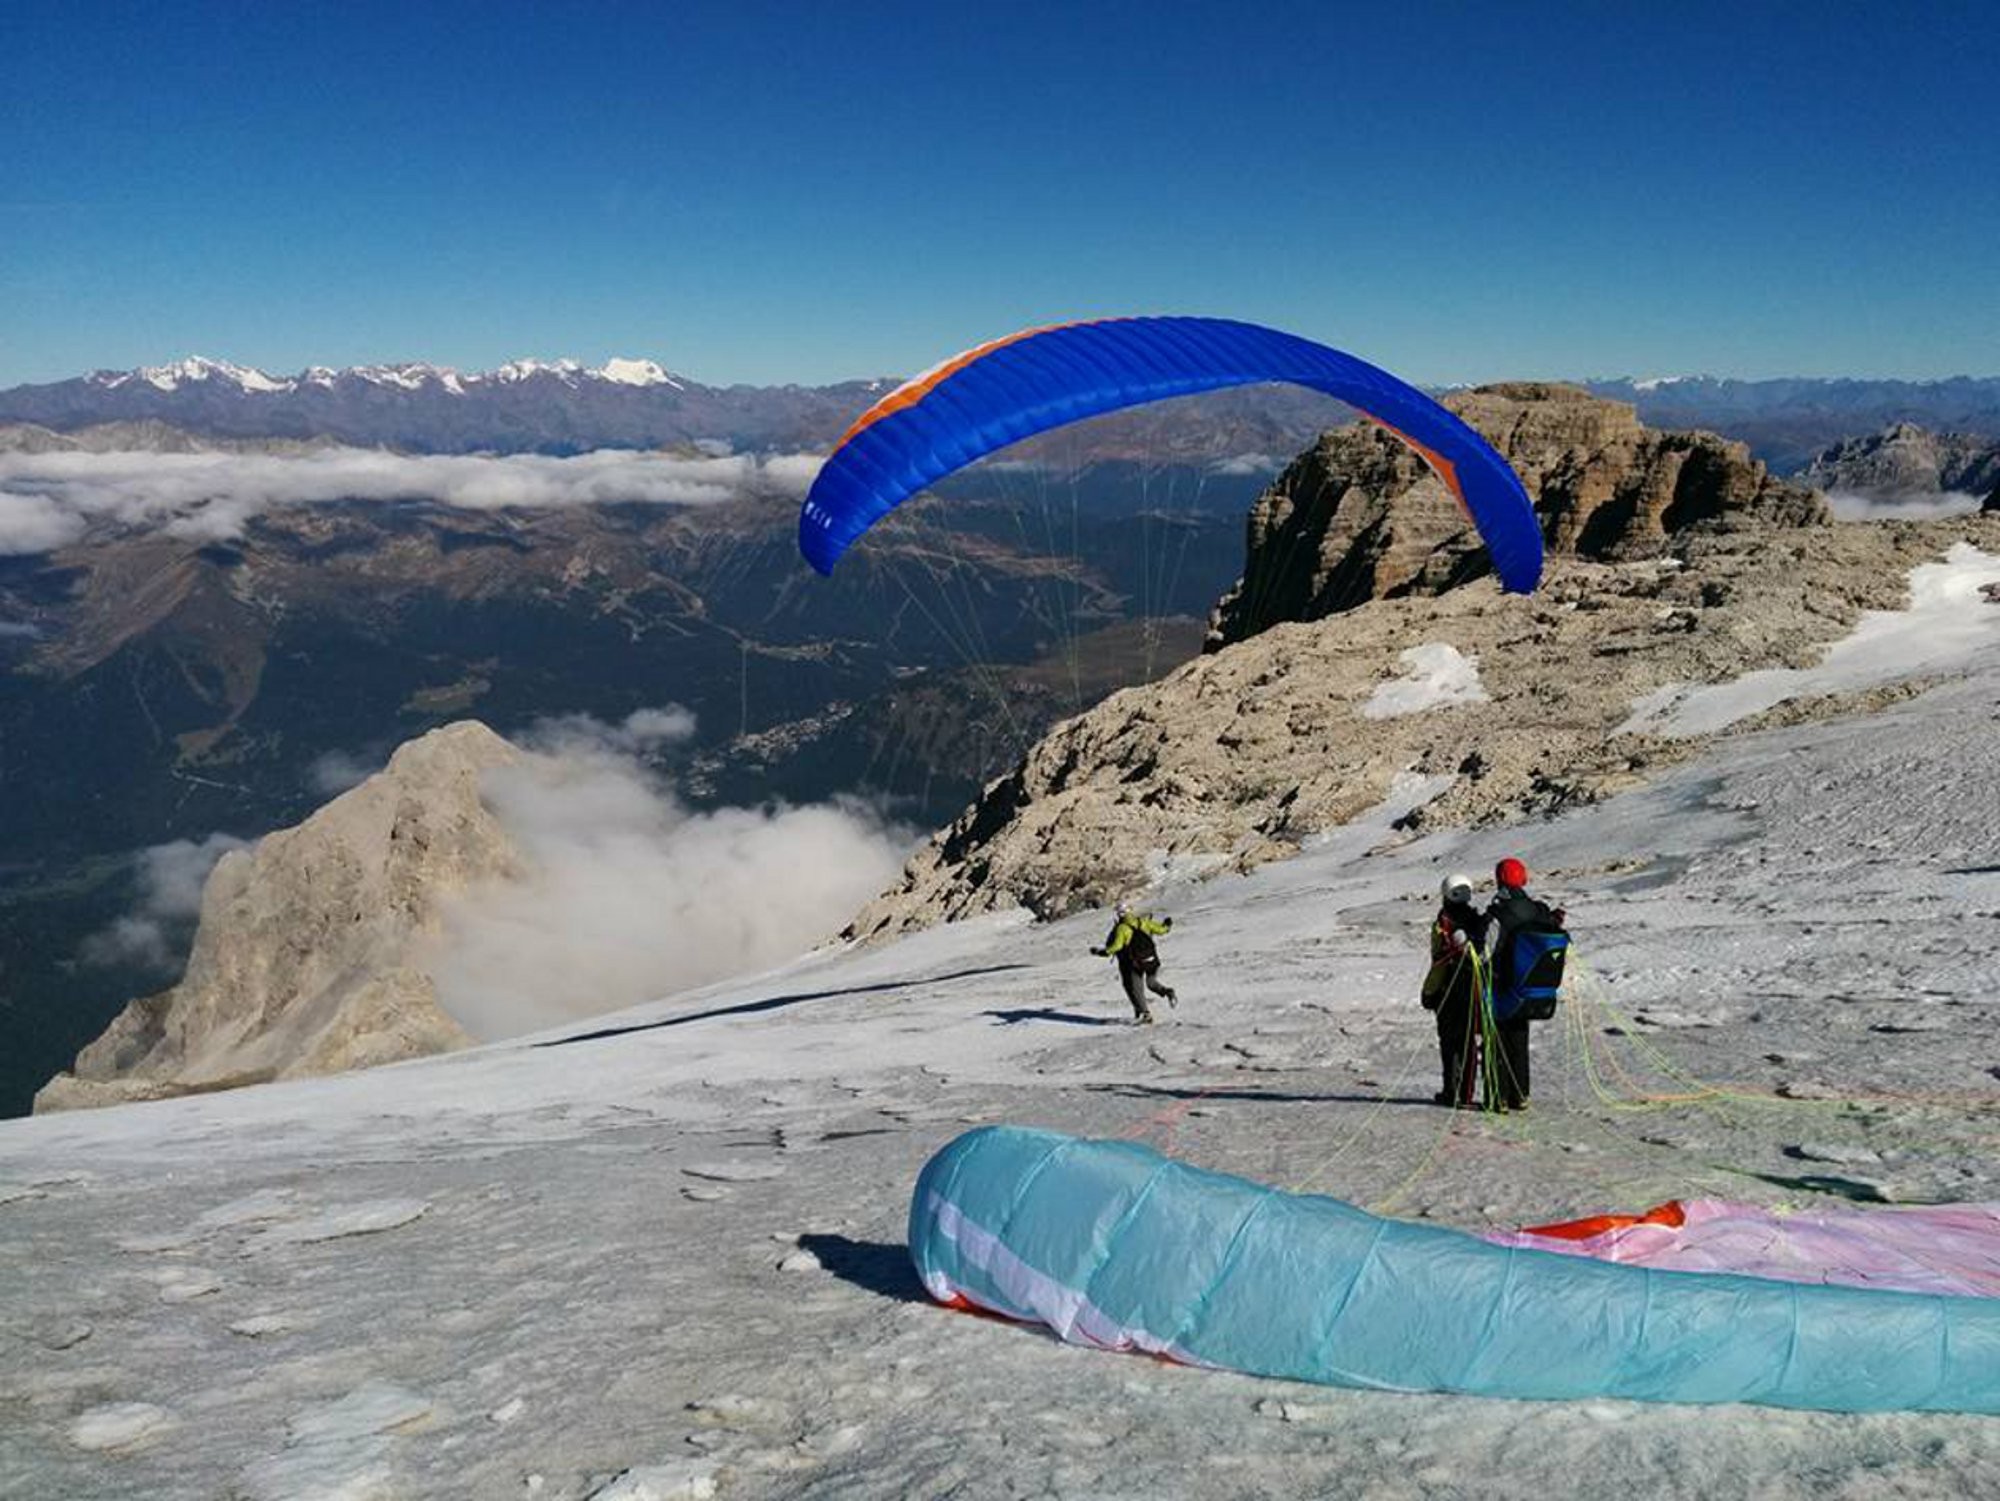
(1123, 909)
(1456, 887)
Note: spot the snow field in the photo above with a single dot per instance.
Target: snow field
(668, 1260)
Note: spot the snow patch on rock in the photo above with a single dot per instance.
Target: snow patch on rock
(1948, 621)
(1438, 676)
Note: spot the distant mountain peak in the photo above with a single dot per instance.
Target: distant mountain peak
(625, 372)
(192, 370)
(520, 370)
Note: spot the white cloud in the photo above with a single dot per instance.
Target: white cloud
(171, 878)
(1923, 505)
(633, 896)
(1250, 463)
(1438, 676)
(580, 734)
(334, 772)
(52, 499)
(35, 523)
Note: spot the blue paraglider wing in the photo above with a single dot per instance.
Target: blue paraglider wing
(1029, 382)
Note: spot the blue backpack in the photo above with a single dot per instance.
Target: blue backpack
(1530, 973)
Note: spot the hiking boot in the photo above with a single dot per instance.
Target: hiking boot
(1172, 999)
(1143, 1019)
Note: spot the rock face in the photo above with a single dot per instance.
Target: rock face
(1359, 517)
(1906, 460)
(308, 958)
(1674, 559)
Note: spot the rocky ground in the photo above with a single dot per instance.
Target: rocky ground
(311, 956)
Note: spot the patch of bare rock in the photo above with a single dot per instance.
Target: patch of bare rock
(309, 957)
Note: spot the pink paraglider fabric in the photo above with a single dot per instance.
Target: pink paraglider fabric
(1949, 1248)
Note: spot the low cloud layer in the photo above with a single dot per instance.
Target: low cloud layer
(581, 735)
(632, 895)
(1250, 463)
(1923, 505)
(334, 772)
(171, 876)
(50, 500)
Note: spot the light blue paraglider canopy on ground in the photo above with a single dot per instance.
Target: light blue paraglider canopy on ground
(1111, 1244)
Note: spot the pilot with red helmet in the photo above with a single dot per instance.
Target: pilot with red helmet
(1511, 911)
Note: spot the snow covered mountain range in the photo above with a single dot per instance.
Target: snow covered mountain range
(525, 405)
(405, 377)
(564, 406)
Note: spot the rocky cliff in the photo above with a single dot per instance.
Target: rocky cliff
(1906, 460)
(1675, 559)
(1359, 517)
(309, 958)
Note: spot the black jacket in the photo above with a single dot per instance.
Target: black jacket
(1452, 983)
(1509, 913)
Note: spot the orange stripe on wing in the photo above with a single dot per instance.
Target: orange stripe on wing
(913, 391)
(1442, 466)
(1670, 1214)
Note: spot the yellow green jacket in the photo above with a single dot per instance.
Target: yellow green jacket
(1131, 925)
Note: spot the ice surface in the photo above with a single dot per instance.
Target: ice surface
(376, 1407)
(1797, 890)
(350, 1219)
(683, 1480)
(118, 1425)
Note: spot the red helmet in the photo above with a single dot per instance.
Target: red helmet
(1511, 873)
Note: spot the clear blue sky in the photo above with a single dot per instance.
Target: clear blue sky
(773, 191)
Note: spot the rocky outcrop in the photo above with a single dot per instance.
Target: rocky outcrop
(1359, 517)
(1904, 461)
(309, 957)
(1236, 758)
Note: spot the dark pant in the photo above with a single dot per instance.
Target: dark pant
(1137, 983)
(1458, 1050)
(1510, 1073)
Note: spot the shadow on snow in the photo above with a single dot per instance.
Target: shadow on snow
(772, 1003)
(875, 1266)
(1050, 1014)
(1258, 1096)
